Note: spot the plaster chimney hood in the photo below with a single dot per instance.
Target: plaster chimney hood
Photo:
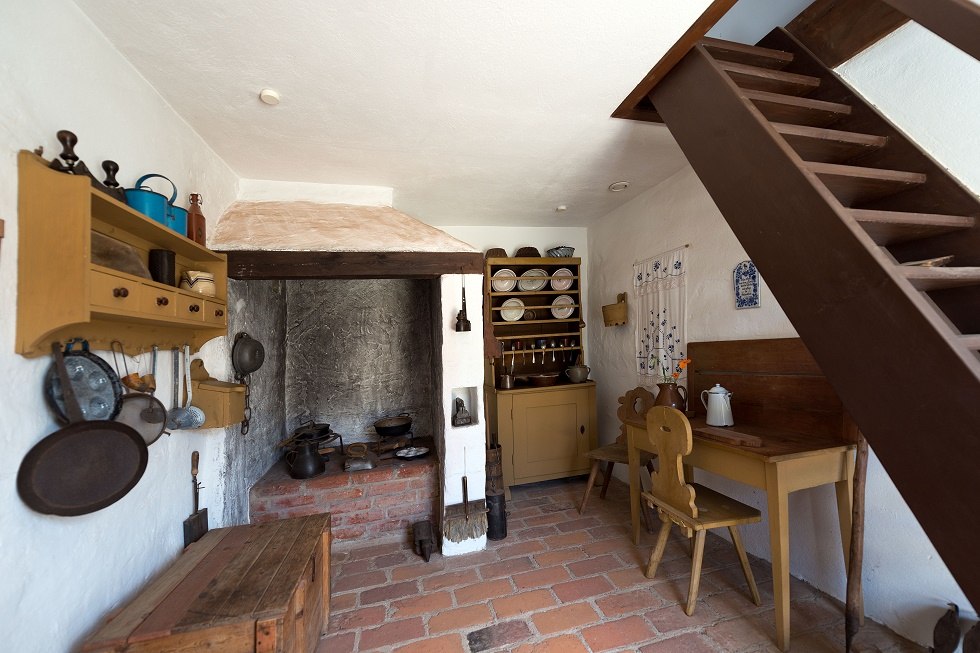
(276, 239)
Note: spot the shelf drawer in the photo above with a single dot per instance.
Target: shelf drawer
(115, 292)
(154, 301)
(215, 313)
(190, 308)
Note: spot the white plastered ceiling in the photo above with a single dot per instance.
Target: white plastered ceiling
(474, 112)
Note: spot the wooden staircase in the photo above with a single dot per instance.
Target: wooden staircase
(830, 199)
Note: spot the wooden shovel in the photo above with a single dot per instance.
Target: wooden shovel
(196, 525)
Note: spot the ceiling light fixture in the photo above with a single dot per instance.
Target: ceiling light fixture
(269, 96)
(617, 186)
(561, 207)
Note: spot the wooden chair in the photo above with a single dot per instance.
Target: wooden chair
(636, 402)
(693, 507)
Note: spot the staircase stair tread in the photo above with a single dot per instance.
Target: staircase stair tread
(933, 278)
(779, 107)
(971, 341)
(891, 227)
(855, 184)
(747, 54)
(767, 79)
(827, 145)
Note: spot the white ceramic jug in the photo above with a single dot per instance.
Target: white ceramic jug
(718, 405)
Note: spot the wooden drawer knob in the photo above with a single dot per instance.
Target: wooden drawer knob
(162, 301)
(194, 308)
(120, 292)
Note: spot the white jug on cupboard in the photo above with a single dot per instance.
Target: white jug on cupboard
(718, 402)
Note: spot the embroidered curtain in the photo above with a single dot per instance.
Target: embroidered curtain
(660, 285)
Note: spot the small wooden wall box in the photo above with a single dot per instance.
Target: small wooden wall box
(262, 588)
(615, 314)
(223, 403)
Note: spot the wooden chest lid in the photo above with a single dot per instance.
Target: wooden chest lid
(242, 573)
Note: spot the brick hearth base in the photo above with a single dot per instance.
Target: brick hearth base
(374, 505)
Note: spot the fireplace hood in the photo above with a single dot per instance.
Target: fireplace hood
(304, 226)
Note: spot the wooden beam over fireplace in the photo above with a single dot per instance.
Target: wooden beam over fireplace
(265, 264)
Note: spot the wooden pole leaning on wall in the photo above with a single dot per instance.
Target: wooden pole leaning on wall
(853, 606)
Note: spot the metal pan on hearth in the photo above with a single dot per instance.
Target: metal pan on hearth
(393, 425)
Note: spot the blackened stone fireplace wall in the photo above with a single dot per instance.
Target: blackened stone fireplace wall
(346, 352)
(358, 351)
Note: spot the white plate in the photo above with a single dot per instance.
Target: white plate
(412, 452)
(504, 280)
(565, 280)
(513, 310)
(563, 307)
(533, 280)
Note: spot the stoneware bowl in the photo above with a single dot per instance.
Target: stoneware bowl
(198, 281)
(549, 378)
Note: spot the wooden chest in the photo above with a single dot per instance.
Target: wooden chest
(258, 588)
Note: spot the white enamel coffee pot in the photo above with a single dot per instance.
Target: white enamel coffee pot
(718, 405)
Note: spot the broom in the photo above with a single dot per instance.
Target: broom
(468, 520)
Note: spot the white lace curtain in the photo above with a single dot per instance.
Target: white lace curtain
(661, 298)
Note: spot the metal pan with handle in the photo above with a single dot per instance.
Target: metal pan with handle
(82, 467)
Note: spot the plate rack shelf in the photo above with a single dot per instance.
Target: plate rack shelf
(536, 313)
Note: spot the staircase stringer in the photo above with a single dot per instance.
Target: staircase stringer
(873, 339)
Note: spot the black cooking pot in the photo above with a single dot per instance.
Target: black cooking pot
(393, 425)
(247, 355)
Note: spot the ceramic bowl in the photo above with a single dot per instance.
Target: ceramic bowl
(198, 281)
(562, 251)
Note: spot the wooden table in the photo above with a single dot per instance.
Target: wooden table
(785, 462)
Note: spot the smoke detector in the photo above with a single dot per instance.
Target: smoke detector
(269, 96)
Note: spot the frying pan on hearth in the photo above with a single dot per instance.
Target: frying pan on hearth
(82, 467)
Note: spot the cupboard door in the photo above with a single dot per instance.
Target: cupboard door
(551, 433)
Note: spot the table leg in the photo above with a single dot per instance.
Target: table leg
(778, 504)
(635, 502)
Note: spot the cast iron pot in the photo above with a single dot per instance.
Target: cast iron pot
(393, 425)
(247, 355)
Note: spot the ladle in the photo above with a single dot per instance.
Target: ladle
(196, 416)
(177, 416)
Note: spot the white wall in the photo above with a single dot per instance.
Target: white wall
(61, 575)
(906, 584)
(930, 90)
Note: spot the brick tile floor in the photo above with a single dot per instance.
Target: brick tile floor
(565, 583)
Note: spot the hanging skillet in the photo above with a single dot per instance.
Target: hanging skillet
(247, 355)
(95, 386)
(83, 467)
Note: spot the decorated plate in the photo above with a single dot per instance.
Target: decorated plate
(563, 307)
(512, 310)
(532, 280)
(561, 279)
(504, 280)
